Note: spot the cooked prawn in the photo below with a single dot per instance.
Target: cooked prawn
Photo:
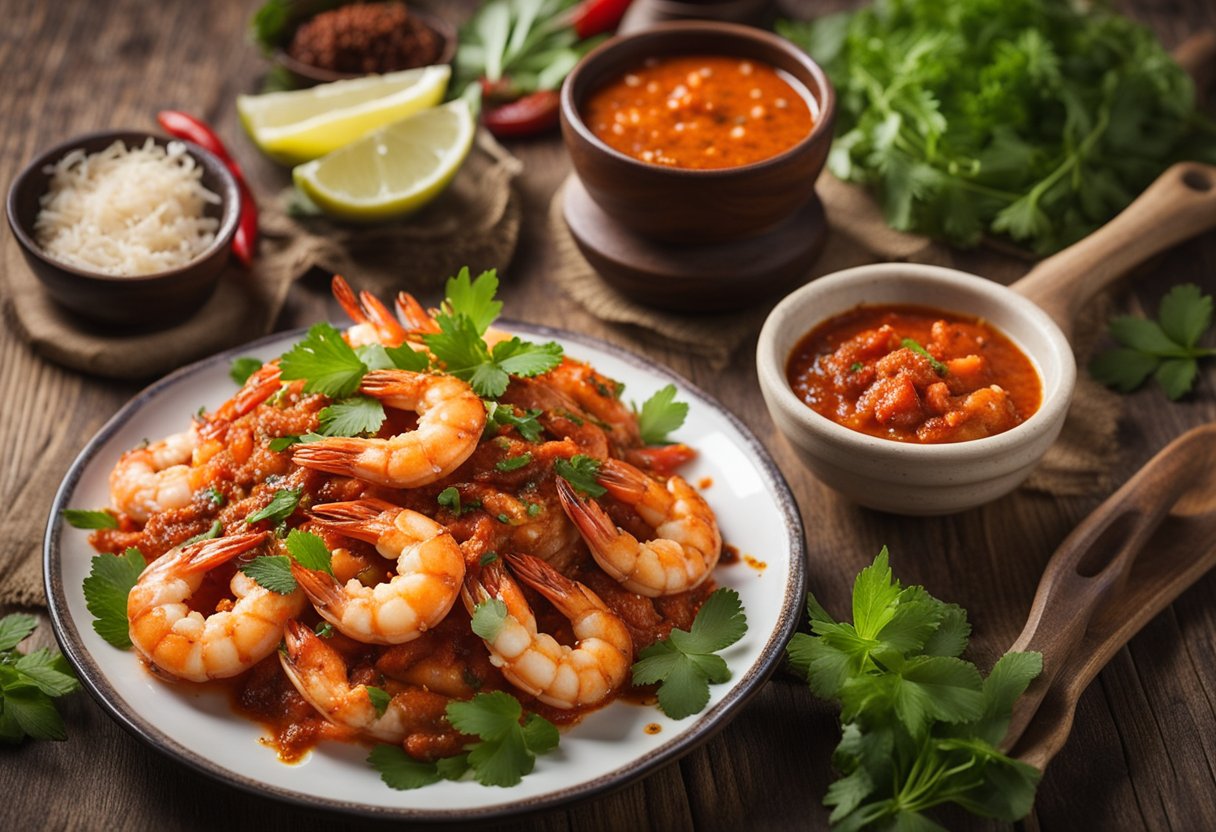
(374, 323)
(430, 568)
(598, 396)
(182, 642)
(320, 675)
(450, 422)
(160, 476)
(559, 675)
(687, 543)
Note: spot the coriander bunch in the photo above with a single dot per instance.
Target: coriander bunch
(29, 684)
(920, 726)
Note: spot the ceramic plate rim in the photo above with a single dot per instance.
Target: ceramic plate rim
(709, 722)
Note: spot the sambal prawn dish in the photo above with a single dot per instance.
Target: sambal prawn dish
(420, 533)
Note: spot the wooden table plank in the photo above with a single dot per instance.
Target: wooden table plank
(1143, 751)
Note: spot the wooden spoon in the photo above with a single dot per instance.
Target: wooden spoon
(1178, 205)
(1124, 564)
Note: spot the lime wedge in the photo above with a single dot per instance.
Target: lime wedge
(395, 170)
(293, 127)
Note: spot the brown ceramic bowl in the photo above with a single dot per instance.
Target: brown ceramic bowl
(692, 206)
(307, 75)
(148, 300)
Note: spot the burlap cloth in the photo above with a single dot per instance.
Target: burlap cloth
(475, 223)
(1079, 463)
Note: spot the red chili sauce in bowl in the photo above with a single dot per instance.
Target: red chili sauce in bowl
(914, 374)
(700, 112)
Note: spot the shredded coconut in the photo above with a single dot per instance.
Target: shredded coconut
(126, 212)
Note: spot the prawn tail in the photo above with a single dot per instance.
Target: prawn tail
(542, 577)
(365, 519)
(345, 296)
(321, 587)
(208, 554)
(623, 481)
(337, 455)
(417, 320)
(593, 522)
(383, 384)
(389, 330)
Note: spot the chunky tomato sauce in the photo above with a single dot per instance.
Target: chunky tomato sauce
(914, 374)
(700, 111)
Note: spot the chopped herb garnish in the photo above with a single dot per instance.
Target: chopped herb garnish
(379, 697)
(86, 519)
(686, 662)
(449, 498)
(282, 443)
(534, 509)
(856, 367)
(105, 593)
(324, 629)
(215, 530)
(488, 558)
(916, 347)
(280, 507)
(242, 368)
(502, 518)
(660, 415)
(216, 496)
(503, 415)
(513, 463)
(581, 472)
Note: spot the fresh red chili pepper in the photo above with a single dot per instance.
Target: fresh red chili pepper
(527, 116)
(594, 17)
(185, 126)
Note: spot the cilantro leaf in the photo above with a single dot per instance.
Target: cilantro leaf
(525, 359)
(406, 357)
(507, 750)
(874, 594)
(282, 443)
(272, 572)
(1144, 336)
(309, 550)
(660, 415)
(353, 416)
(449, 498)
(242, 368)
(374, 357)
(215, 530)
(15, 629)
(503, 415)
(1123, 369)
(325, 361)
(489, 617)
(85, 519)
(473, 298)
(916, 347)
(110, 580)
(514, 463)
(281, 506)
(1185, 313)
(581, 472)
(379, 698)
(1010, 676)
(399, 770)
(1176, 376)
(684, 663)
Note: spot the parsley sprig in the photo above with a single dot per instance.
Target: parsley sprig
(105, 593)
(581, 471)
(919, 725)
(273, 572)
(686, 662)
(1167, 349)
(463, 318)
(29, 682)
(660, 415)
(507, 750)
(80, 518)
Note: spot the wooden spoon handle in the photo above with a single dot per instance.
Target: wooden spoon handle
(1178, 205)
(1092, 565)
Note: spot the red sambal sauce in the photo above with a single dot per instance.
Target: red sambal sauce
(860, 370)
(700, 112)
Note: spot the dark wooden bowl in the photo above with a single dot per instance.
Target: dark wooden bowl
(148, 300)
(692, 206)
(307, 75)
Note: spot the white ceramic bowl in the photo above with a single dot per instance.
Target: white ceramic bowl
(900, 477)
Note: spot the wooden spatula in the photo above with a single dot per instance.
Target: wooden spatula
(1123, 565)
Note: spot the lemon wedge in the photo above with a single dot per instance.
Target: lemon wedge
(294, 127)
(395, 170)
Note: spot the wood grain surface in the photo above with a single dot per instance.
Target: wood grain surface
(1143, 750)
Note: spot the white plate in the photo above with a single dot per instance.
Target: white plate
(610, 747)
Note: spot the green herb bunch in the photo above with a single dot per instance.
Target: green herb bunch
(920, 726)
(29, 684)
(1035, 119)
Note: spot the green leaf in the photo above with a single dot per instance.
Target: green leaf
(1010, 677)
(282, 443)
(916, 347)
(1123, 369)
(525, 359)
(272, 572)
(540, 735)
(489, 716)
(489, 617)
(213, 531)
(1185, 313)
(452, 768)
(379, 697)
(714, 668)
(847, 793)
(85, 519)
(216, 496)
(242, 368)
(581, 471)
(656, 662)
(406, 357)
(375, 357)
(15, 628)
(281, 506)
(473, 299)
(685, 690)
(325, 361)
(34, 713)
(487, 379)
(400, 771)
(950, 637)
(1023, 220)
(309, 550)
(47, 671)
(513, 463)
(503, 415)
(110, 580)
(502, 762)
(826, 667)
(449, 498)
(1144, 336)
(938, 687)
(718, 624)
(660, 415)
(1177, 376)
(874, 594)
(355, 416)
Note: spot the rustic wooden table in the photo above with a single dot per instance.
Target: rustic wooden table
(1143, 750)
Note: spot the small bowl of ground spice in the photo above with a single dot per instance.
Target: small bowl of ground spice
(364, 38)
